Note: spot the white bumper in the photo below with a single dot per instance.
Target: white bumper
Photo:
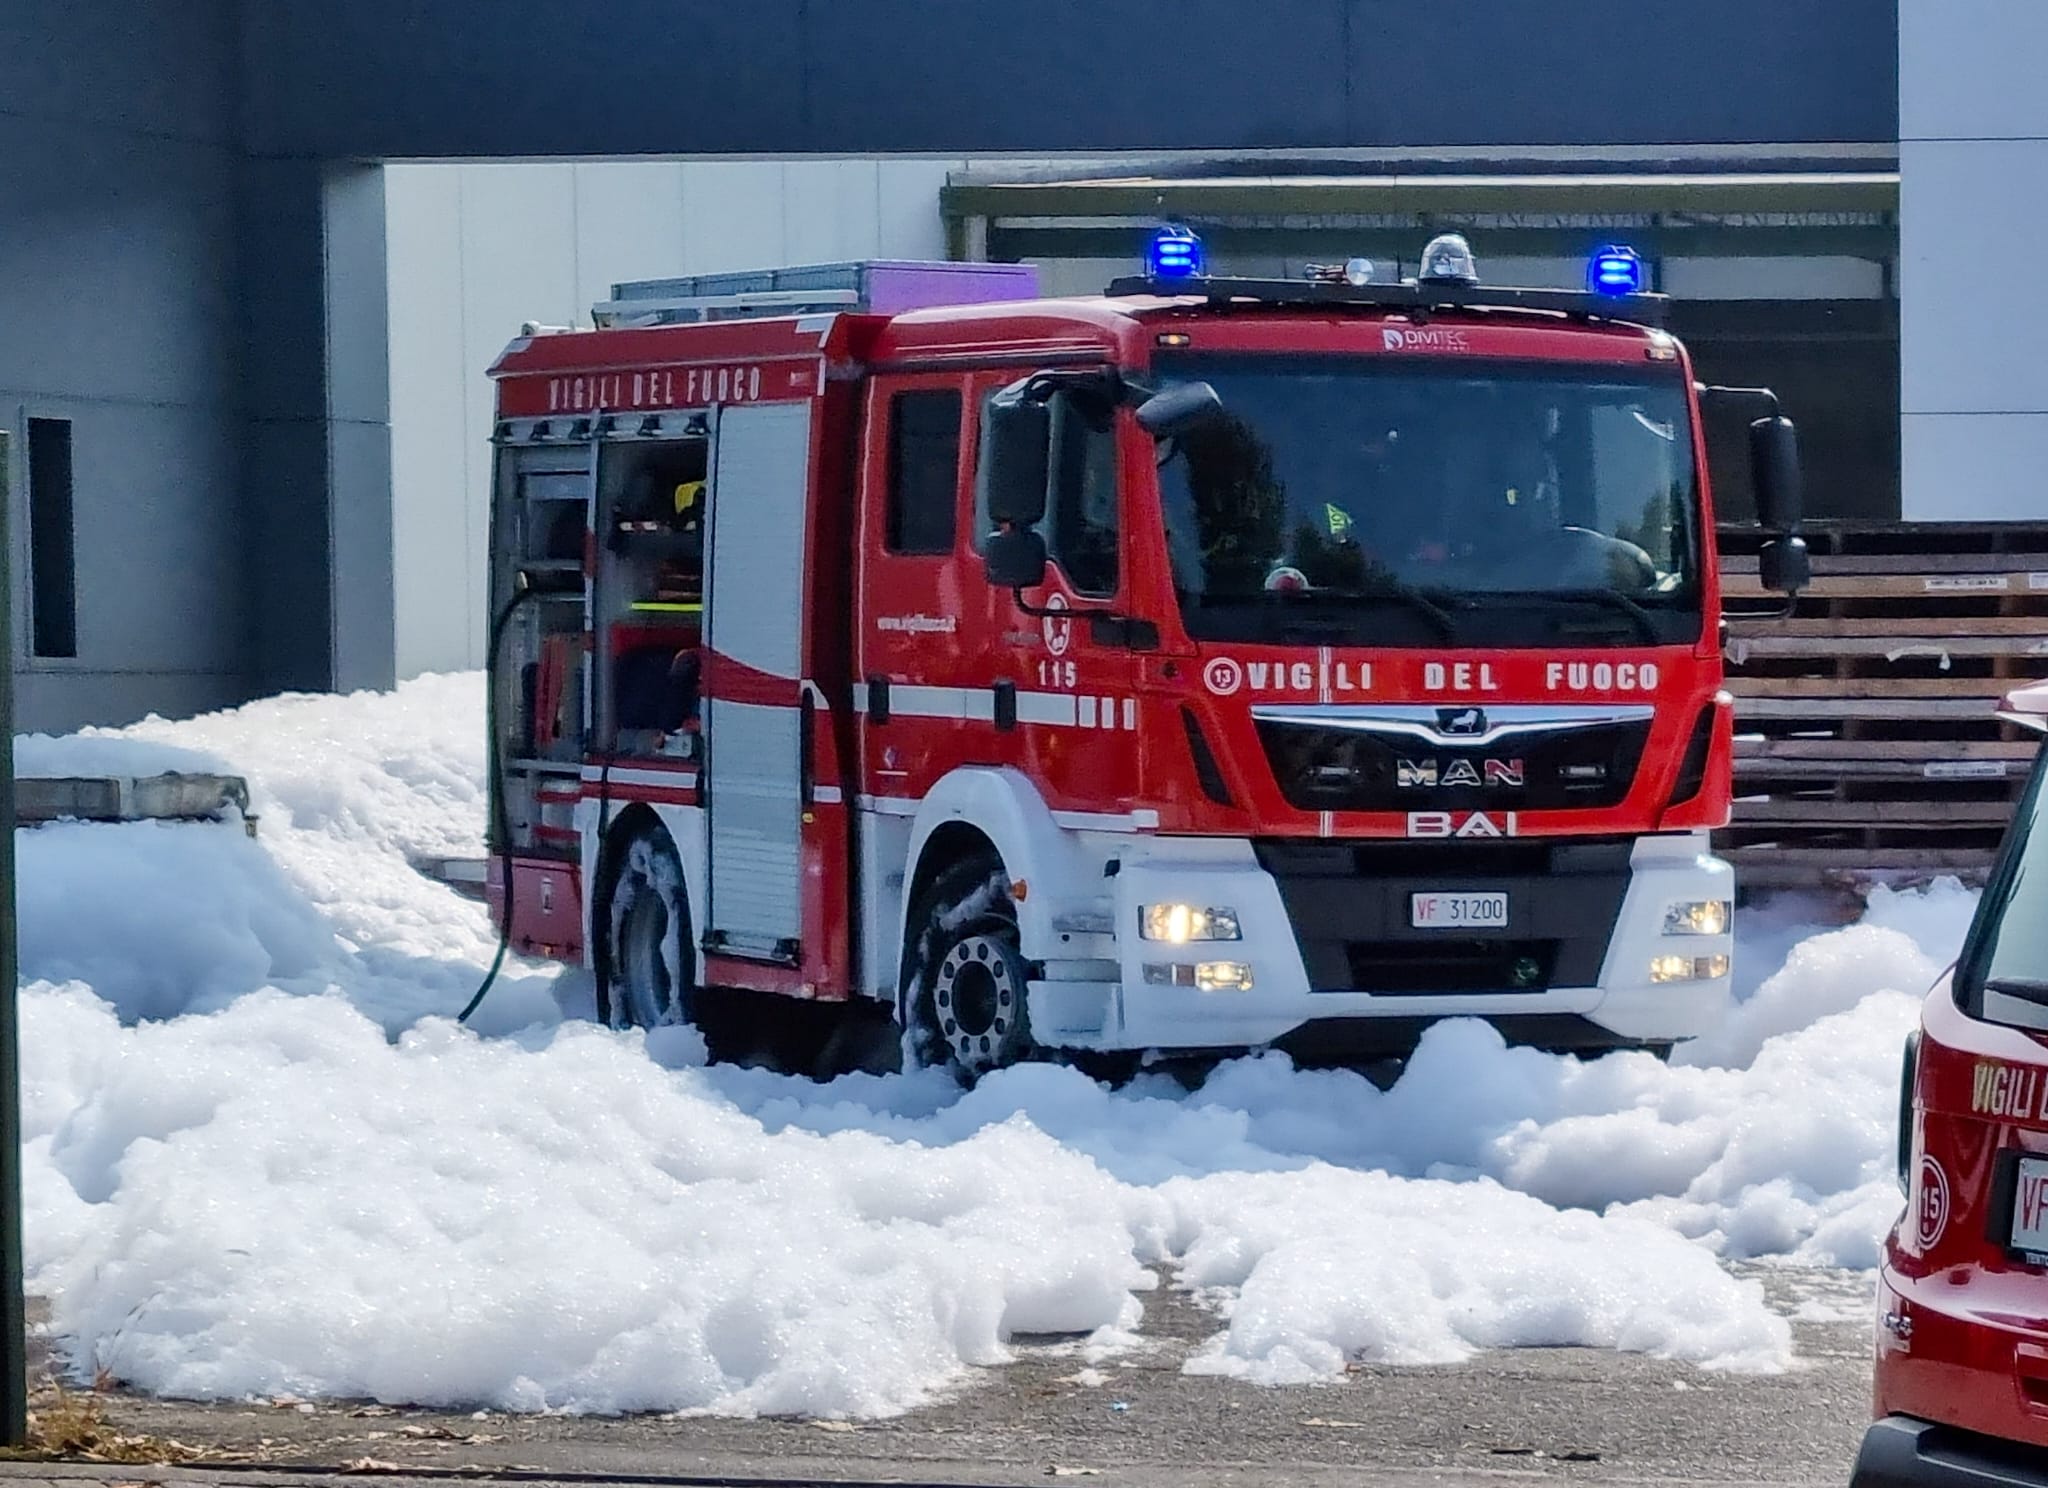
(1137, 1011)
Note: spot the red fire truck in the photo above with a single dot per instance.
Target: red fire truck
(1209, 664)
(1962, 1299)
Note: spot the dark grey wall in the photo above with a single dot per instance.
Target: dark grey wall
(396, 78)
(118, 240)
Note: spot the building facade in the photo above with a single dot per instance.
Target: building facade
(224, 294)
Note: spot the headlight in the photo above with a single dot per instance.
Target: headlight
(1688, 968)
(1699, 917)
(1177, 924)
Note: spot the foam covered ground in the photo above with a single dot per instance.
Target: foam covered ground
(262, 1158)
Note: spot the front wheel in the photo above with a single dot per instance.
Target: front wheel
(968, 1004)
(646, 978)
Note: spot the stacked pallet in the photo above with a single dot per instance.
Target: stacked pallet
(1867, 743)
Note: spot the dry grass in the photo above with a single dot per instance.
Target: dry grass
(72, 1424)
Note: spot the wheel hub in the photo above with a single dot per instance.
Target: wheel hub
(978, 996)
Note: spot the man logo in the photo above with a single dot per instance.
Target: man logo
(1429, 774)
(1460, 722)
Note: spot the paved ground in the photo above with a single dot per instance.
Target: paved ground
(1530, 1416)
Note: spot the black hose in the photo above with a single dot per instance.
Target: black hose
(499, 839)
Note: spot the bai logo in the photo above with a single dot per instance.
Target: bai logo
(1423, 338)
(1460, 824)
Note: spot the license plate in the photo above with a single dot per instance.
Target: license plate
(2030, 1206)
(1458, 911)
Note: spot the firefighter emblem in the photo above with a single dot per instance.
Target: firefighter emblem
(1059, 630)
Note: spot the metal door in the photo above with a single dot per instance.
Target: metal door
(759, 512)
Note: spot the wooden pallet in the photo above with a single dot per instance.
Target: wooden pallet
(1867, 742)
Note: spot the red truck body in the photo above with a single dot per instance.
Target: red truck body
(1497, 809)
(1961, 1386)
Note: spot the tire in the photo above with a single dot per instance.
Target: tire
(968, 1007)
(645, 973)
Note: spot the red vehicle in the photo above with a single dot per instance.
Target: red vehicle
(1962, 1337)
(1208, 664)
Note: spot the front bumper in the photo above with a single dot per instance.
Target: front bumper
(1607, 992)
(1901, 1452)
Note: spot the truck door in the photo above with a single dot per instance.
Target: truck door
(954, 673)
(753, 678)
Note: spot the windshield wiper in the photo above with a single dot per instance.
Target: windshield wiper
(1613, 599)
(2027, 989)
(1415, 599)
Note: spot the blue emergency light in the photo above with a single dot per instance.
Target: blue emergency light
(1616, 270)
(1175, 253)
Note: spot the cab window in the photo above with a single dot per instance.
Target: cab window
(1082, 524)
(1081, 513)
(2003, 974)
(924, 470)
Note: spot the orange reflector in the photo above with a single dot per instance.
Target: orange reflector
(1020, 891)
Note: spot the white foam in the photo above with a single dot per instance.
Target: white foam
(262, 1160)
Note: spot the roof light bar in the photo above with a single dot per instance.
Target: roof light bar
(1175, 253)
(1616, 270)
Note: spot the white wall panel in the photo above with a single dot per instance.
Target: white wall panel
(1973, 150)
(1972, 308)
(1972, 69)
(628, 219)
(1979, 467)
(434, 566)
(732, 216)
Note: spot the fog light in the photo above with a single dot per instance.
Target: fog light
(1698, 917)
(1177, 924)
(1203, 976)
(1223, 976)
(1688, 968)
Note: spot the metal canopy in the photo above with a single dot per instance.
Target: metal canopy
(1695, 213)
(1154, 197)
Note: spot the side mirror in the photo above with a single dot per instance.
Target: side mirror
(1178, 409)
(1782, 565)
(1014, 559)
(1774, 472)
(1016, 454)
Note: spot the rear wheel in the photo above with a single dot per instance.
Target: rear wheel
(968, 1005)
(646, 978)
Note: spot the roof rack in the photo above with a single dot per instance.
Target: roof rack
(1635, 309)
(880, 286)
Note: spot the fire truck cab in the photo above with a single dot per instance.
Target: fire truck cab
(1204, 665)
(1961, 1384)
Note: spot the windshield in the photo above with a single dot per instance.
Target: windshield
(1388, 501)
(2003, 975)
